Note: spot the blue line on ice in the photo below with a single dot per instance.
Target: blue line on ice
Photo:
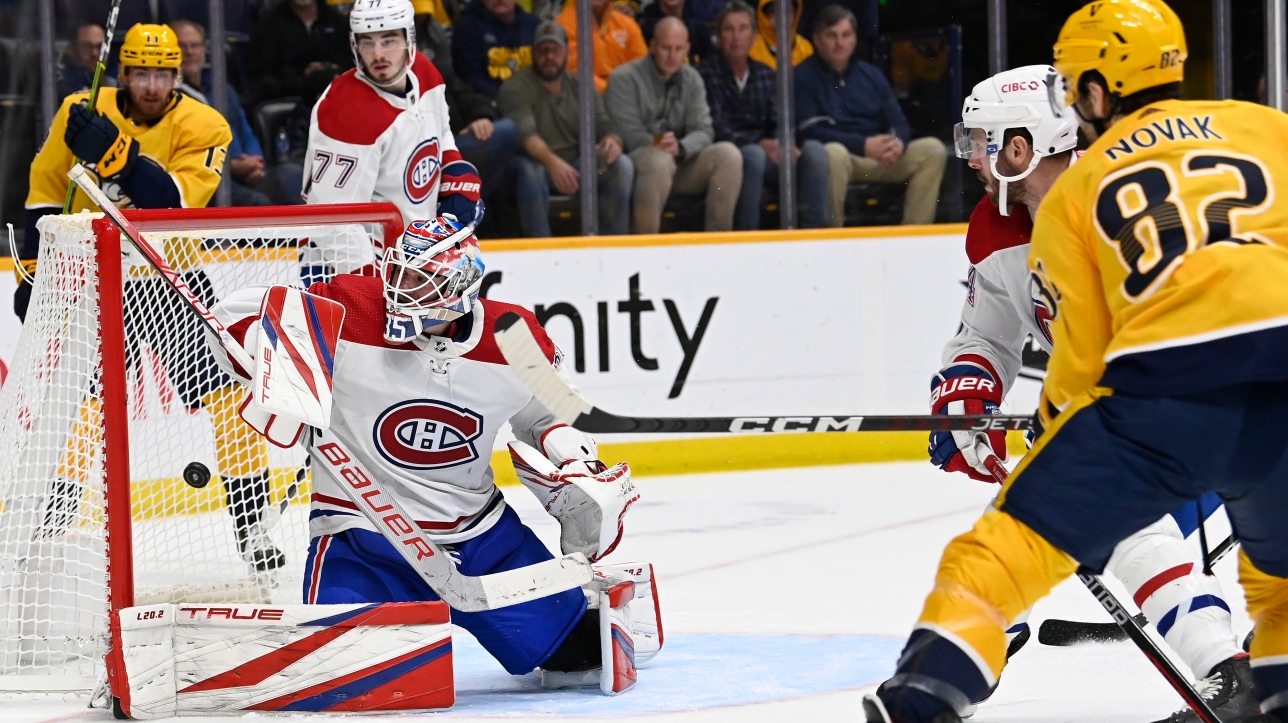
(693, 671)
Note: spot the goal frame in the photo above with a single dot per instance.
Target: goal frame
(112, 343)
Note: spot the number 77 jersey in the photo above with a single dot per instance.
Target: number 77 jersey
(1163, 255)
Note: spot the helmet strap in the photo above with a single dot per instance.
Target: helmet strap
(1002, 204)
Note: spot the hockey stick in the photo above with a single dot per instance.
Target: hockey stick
(99, 68)
(523, 354)
(1059, 633)
(462, 592)
(1130, 626)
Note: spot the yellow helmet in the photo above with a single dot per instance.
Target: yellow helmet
(151, 46)
(1135, 44)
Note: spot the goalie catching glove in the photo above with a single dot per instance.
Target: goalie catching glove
(967, 386)
(588, 499)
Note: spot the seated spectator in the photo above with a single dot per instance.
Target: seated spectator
(77, 73)
(542, 100)
(849, 106)
(741, 94)
(660, 107)
(252, 184)
(699, 30)
(488, 143)
(618, 38)
(293, 39)
(492, 40)
(765, 49)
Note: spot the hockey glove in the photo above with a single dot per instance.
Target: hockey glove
(460, 193)
(588, 500)
(966, 387)
(96, 139)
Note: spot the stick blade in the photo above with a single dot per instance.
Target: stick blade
(1063, 633)
(525, 357)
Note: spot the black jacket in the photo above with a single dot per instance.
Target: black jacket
(281, 47)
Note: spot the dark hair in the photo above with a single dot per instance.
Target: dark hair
(1028, 138)
(731, 7)
(1125, 104)
(833, 14)
(88, 24)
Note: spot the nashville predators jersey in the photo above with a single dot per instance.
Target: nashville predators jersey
(189, 142)
(1161, 256)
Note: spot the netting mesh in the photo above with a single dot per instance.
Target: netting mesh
(240, 538)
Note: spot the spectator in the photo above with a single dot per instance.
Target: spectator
(741, 94)
(543, 101)
(699, 30)
(765, 49)
(77, 73)
(294, 39)
(492, 40)
(252, 183)
(659, 105)
(849, 106)
(488, 143)
(618, 38)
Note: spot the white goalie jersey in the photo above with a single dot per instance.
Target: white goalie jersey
(1001, 311)
(423, 416)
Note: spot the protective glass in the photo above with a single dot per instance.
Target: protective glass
(969, 143)
(154, 77)
(388, 43)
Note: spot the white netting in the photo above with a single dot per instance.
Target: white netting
(241, 538)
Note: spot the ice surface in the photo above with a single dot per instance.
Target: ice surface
(786, 594)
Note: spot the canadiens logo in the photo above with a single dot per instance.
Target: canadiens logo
(1046, 301)
(421, 175)
(428, 434)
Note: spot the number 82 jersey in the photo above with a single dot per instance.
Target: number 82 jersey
(1165, 256)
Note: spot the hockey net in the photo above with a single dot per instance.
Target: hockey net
(82, 531)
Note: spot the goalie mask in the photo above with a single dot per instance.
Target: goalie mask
(431, 276)
(1033, 98)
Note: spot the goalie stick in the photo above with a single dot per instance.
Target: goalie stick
(523, 354)
(462, 592)
(1130, 626)
(1061, 633)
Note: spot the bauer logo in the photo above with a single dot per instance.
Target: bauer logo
(427, 434)
(421, 175)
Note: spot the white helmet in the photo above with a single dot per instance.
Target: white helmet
(1032, 98)
(373, 16)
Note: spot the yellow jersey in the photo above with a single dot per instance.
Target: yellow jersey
(189, 142)
(1161, 256)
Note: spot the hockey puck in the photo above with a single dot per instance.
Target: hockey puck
(196, 474)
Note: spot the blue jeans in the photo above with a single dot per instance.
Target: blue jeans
(534, 186)
(491, 157)
(811, 191)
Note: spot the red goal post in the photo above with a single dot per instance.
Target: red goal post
(112, 397)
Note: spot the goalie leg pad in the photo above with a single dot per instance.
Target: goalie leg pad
(362, 566)
(191, 659)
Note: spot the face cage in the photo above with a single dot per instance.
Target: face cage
(434, 291)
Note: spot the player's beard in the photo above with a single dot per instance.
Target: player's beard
(392, 76)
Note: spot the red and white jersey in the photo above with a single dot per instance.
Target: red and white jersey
(422, 416)
(368, 145)
(999, 313)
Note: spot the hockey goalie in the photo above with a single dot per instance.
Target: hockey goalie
(396, 387)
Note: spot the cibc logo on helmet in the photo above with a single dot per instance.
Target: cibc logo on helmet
(424, 434)
(421, 175)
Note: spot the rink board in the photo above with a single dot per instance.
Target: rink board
(835, 321)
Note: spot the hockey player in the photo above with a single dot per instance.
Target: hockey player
(380, 132)
(1160, 260)
(153, 147)
(1019, 136)
(420, 393)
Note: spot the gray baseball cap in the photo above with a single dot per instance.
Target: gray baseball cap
(550, 30)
